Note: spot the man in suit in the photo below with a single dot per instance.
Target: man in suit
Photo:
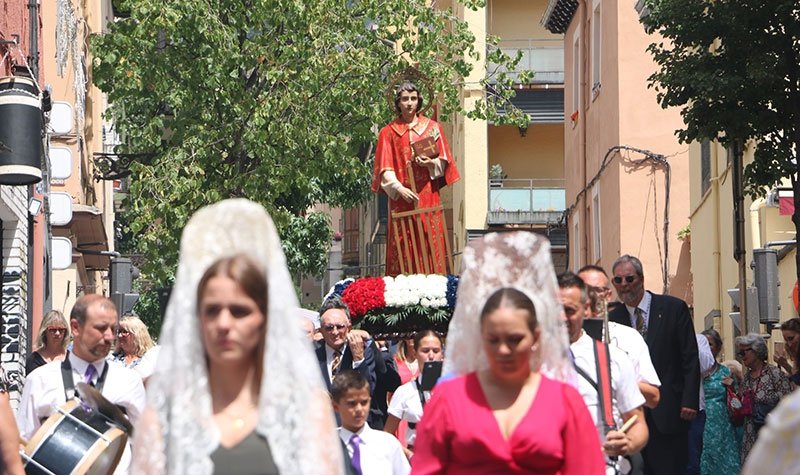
(340, 348)
(666, 326)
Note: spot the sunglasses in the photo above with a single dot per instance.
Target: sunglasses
(628, 279)
(330, 328)
(744, 352)
(56, 330)
(123, 331)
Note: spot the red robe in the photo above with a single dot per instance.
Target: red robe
(394, 153)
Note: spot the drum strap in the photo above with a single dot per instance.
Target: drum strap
(69, 384)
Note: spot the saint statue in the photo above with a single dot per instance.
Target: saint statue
(412, 162)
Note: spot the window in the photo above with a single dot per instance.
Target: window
(597, 32)
(597, 247)
(705, 166)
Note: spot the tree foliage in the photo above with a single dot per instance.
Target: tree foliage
(273, 101)
(733, 66)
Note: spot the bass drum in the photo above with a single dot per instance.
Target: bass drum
(75, 440)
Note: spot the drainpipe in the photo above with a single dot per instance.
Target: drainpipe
(33, 56)
(584, 227)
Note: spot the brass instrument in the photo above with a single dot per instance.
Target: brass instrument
(601, 307)
(606, 332)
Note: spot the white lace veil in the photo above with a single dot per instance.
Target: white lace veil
(294, 410)
(518, 259)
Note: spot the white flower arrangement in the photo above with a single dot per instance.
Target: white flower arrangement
(405, 290)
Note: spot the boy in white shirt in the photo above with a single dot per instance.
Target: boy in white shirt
(371, 452)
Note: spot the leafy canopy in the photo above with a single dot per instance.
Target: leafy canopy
(734, 68)
(275, 101)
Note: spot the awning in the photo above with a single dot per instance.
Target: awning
(88, 233)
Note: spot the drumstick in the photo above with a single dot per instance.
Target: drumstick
(627, 425)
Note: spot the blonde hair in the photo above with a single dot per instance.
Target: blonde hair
(53, 318)
(736, 369)
(141, 336)
(402, 351)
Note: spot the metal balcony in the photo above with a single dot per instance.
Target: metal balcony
(545, 57)
(526, 201)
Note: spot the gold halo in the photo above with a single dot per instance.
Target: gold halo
(414, 75)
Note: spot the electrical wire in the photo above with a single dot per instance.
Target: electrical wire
(658, 160)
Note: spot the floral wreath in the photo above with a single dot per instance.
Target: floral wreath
(391, 307)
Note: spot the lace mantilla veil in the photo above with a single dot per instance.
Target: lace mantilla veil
(518, 259)
(294, 410)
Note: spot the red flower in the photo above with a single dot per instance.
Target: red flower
(364, 295)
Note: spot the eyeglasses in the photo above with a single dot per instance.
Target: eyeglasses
(330, 328)
(628, 279)
(123, 331)
(744, 352)
(56, 330)
(599, 290)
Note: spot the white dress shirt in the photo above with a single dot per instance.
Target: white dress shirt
(43, 394)
(631, 343)
(706, 363)
(406, 406)
(147, 366)
(624, 390)
(644, 307)
(329, 354)
(381, 452)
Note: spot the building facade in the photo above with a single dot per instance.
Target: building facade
(57, 233)
(626, 175)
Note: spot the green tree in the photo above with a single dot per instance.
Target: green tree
(733, 66)
(275, 101)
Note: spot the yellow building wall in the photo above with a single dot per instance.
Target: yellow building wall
(713, 266)
(91, 17)
(469, 145)
(540, 154)
(516, 19)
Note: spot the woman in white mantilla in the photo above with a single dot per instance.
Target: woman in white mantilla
(237, 388)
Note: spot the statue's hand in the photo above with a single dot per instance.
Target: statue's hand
(408, 195)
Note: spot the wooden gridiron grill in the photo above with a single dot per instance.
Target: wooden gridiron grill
(416, 247)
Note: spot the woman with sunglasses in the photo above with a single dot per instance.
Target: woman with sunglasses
(133, 344)
(51, 341)
(763, 386)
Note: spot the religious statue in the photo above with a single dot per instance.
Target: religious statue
(412, 162)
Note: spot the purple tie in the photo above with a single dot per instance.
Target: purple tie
(89, 375)
(355, 441)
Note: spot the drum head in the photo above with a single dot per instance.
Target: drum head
(103, 456)
(77, 441)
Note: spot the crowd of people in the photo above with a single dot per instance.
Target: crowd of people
(534, 378)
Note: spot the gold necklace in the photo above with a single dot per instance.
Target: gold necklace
(238, 420)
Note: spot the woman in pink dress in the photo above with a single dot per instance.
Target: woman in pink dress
(507, 410)
(408, 368)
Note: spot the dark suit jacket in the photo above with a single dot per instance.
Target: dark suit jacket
(366, 368)
(673, 349)
(388, 382)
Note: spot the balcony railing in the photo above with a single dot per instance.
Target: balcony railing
(545, 57)
(526, 201)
